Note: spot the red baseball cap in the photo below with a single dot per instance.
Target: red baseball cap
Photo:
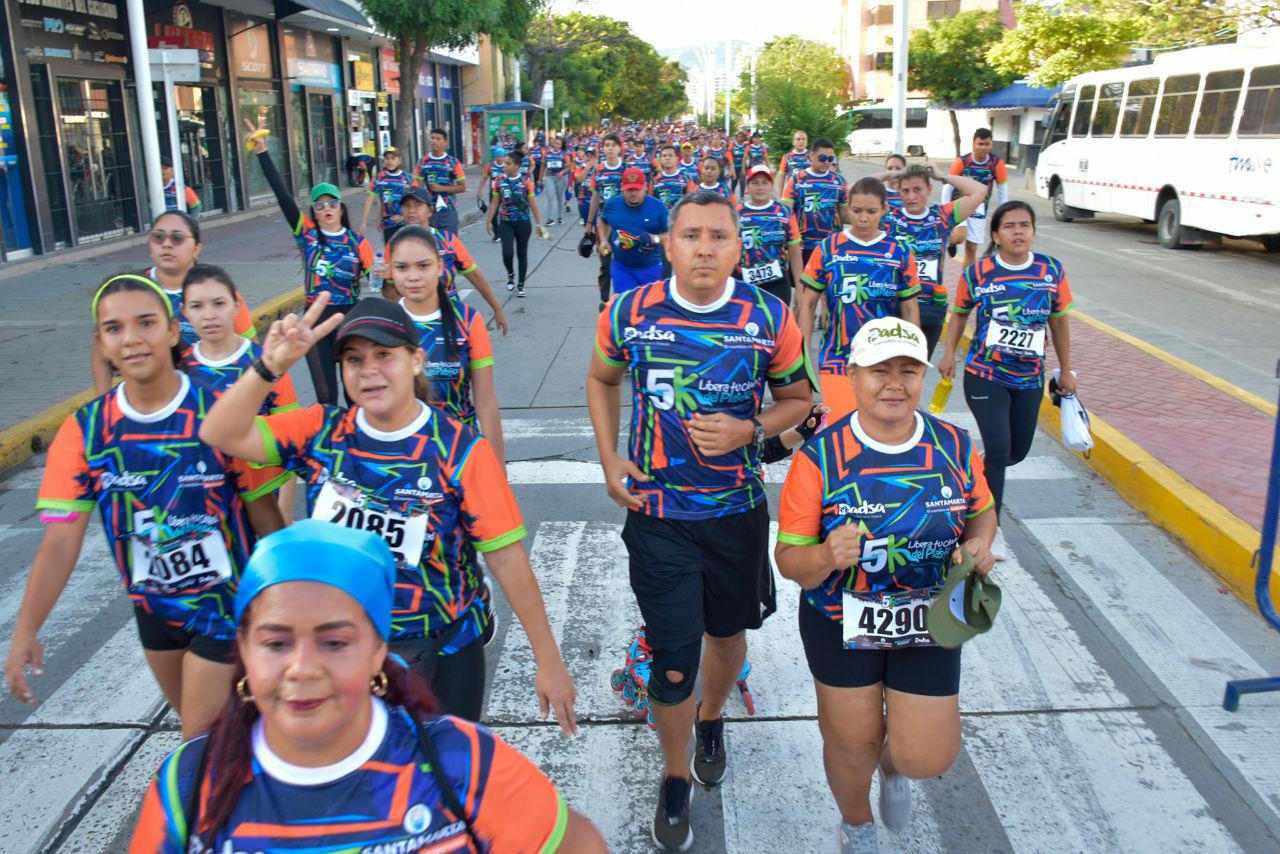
(759, 169)
(632, 178)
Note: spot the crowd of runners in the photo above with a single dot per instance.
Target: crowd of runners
(329, 670)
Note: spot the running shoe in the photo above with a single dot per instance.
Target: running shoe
(520, 289)
(951, 250)
(671, 830)
(858, 838)
(895, 800)
(709, 757)
(511, 283)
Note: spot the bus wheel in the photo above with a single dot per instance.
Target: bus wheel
(1271, 242)
(1169, 225)
(1061, 211)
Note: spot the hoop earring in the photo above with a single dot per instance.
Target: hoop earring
(242, 690)
(378, 684)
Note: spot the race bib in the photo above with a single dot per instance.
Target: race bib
(980, 212)
(927, 268)
(762, 273)
(887, 620)
(349, 506)
(178, 565)
(1015, 340)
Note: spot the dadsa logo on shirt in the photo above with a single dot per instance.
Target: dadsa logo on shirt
(866, 508)
(122, 480)
(649, 333)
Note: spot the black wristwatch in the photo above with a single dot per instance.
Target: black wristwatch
(263, 371)
(757, 435)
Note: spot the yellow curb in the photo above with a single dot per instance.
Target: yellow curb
(31, 436)
(1219, 539)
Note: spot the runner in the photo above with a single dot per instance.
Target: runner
(416, 209)
(582, 184)
(925, 229)
(770, 238)
(716, 148)
(670, 183)
(334, 258)
(631, 229)
(556, 181)
(816, 194)
(427, 482)
(893, 166)
(795, 160)
(640, 158)
(459, 356)
(180, 518)
(865, 542)
(709, 179)
(175, 248)
(606, 183)
(688, 162)
(1019, 295)
(698, 536)
(861, 274)
(739, 154)
(981, 165)
(171, 190)
(757, 151)
(388, 187)
(328, 731)
(442, 174)
(514, 209)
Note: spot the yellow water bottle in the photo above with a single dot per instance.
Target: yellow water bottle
(940, 396)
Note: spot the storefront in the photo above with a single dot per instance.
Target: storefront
(315, 79)
(362, 101)
(437, 83)
(15, 232)
(255, 80)
(77, 63)
(205, 133)
(388, 95)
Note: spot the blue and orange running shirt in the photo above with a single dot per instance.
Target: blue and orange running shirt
(860, 281)
(221, 374)
(793, 162)
(686, 358)
(990, 172)
(173, 509)
(445, 170)
(669, 189)
(334, 262)
(910, 502)
(434, 490)
(767, 233)
(455, 256)
(450, 373)
(1014, 306)
(556, 162)
(512, 196)
(720, 188)
(606, 181)
(926, 236)
(390, 187)
(816, 200)
(382, 798)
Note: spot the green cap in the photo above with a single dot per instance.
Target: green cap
(324, 190)
(967, 605)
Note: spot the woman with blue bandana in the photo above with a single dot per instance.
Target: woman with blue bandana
(331, 744)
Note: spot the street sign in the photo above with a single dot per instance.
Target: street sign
(182, 65)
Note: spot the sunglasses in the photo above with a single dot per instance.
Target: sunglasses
(826, 158)
(177, 238)
(327, 205)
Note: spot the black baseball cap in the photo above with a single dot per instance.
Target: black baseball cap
(418, 194)
(378, 320)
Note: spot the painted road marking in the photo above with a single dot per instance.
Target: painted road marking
(114, 686)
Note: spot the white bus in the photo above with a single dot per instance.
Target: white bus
(1190, 142)
(930, 129)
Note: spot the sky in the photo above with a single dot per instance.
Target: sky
(679, 23)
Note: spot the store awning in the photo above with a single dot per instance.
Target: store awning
(331, 8)
(506, 106)
(1012, 97)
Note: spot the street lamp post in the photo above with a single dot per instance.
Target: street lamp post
(900, 30)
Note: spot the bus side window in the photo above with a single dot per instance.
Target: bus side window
(1177, 104)
(1139, 107)
(1108, 112)
(1261, 115)
(1084, 111)
(1057, 128)
(1218, 105)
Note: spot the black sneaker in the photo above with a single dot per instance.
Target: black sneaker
(951, 250)
(709, 758)
(671, 830)
(520, 289)
(511, 283)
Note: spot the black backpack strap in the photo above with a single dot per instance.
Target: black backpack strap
(447, 793)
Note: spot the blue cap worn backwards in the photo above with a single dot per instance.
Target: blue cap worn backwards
(356, 562)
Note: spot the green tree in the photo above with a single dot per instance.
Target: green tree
(948, 60)
(1052, 44)
(418, 26)
(799, 84)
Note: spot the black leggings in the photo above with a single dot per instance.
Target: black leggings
(932, 317)
(321, 362)
(604, 279)
(515, 241)
(1007, 421)
(457, 680)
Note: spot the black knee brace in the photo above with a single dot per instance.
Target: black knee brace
(682, 660)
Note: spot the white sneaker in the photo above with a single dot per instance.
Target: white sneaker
(895, 800)
(858, 838)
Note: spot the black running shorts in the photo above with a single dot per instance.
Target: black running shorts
(159, 636)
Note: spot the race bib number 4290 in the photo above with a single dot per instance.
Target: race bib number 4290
(887, 621)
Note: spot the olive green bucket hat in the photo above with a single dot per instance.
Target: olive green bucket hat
(967, 605)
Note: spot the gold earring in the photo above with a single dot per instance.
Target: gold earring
(242, 690)
(378, 684)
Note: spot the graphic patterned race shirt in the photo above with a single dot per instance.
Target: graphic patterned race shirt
(512, 196)
(669, 189)
(221, 374)
(334, 263)
(173, 508)
(1014, 306)
(910, 503)
(389, 803)
(445, 170)
(860, 281)
(816, 201)
(607, 180)
(434, 490)
(450, 373)
(456, 258)
(767, 233)
(685, 358)
(990, 172)
(926, 236)
(793, 162)
(389, 187)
